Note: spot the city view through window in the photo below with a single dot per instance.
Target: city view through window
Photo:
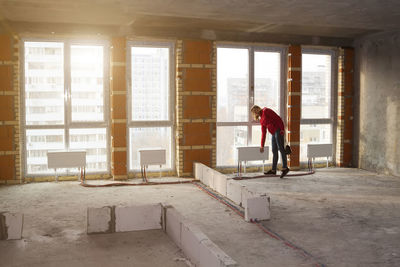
(235, 127)
(53, 103)
(65, 103)
(151, 121)
(315, 101)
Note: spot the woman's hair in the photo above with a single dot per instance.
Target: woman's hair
(256, 111)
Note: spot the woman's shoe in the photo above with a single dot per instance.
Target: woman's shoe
(270, 172)
(284, 172)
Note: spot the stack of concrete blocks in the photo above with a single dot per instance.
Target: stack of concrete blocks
(256, 205)
(200, 250)
(11, 225)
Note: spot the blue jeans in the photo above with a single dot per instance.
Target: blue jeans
(277, 142)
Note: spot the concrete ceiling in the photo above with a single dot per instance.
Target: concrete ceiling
(281, 20)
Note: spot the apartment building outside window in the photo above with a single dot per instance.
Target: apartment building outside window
(65, 95)
(246, 75)
(150, 100)
(317, 101)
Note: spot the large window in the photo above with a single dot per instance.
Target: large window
(65, 88)
(150, 101)
(245, 76)
(316, 102)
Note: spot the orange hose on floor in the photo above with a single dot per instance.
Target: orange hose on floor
(271, 176)
(141, 184)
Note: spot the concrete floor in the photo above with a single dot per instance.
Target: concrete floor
(336, 217)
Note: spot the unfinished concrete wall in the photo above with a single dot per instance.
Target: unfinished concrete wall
(377, 111)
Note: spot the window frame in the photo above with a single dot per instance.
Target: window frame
(170, 122)
(252, 49)
(334, 89)
(68, 124)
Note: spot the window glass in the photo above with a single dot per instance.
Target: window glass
(234, 88)
(44, 83)
(314, 134)
(87, 70)
(94, 142)
(150, 83)
(316, 101)
(38, 142)
(48, 107)
(267, 79)
(228, 139)
(233, 85)
(151, 121)
(316, 86)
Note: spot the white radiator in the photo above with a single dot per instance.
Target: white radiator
(66, 159)
(318, 151)
(251, 153)
(152, 157)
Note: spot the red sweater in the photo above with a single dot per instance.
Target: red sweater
(271, 121)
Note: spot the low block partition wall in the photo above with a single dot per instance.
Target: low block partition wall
(256, 205)
(200, 250)
(11, 225)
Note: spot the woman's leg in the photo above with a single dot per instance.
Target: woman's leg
(280, 145)
(274, 151)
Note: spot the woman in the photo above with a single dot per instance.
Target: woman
(271, 121)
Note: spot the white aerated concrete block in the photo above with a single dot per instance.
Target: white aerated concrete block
(246, 194)
(174, 225)
(137, 218)
(258, 208)
(198, 171)
(208, 176)
(212, 256)
(99, 220)
(220, 181)
(11, 225)
(234, 191)
(191, 237)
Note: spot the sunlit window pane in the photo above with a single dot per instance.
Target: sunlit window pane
(44, 83)
(314, 134)
(267, 79)
(316, 86)
(94, 142)
(233, 85)
(87, 89)
(228, 139)
(150, 83)
(150, 137)
(38, 142)
(47, 99)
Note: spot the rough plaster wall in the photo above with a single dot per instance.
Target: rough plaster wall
(378, 107)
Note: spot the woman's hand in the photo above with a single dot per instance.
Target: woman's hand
(261, 149)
